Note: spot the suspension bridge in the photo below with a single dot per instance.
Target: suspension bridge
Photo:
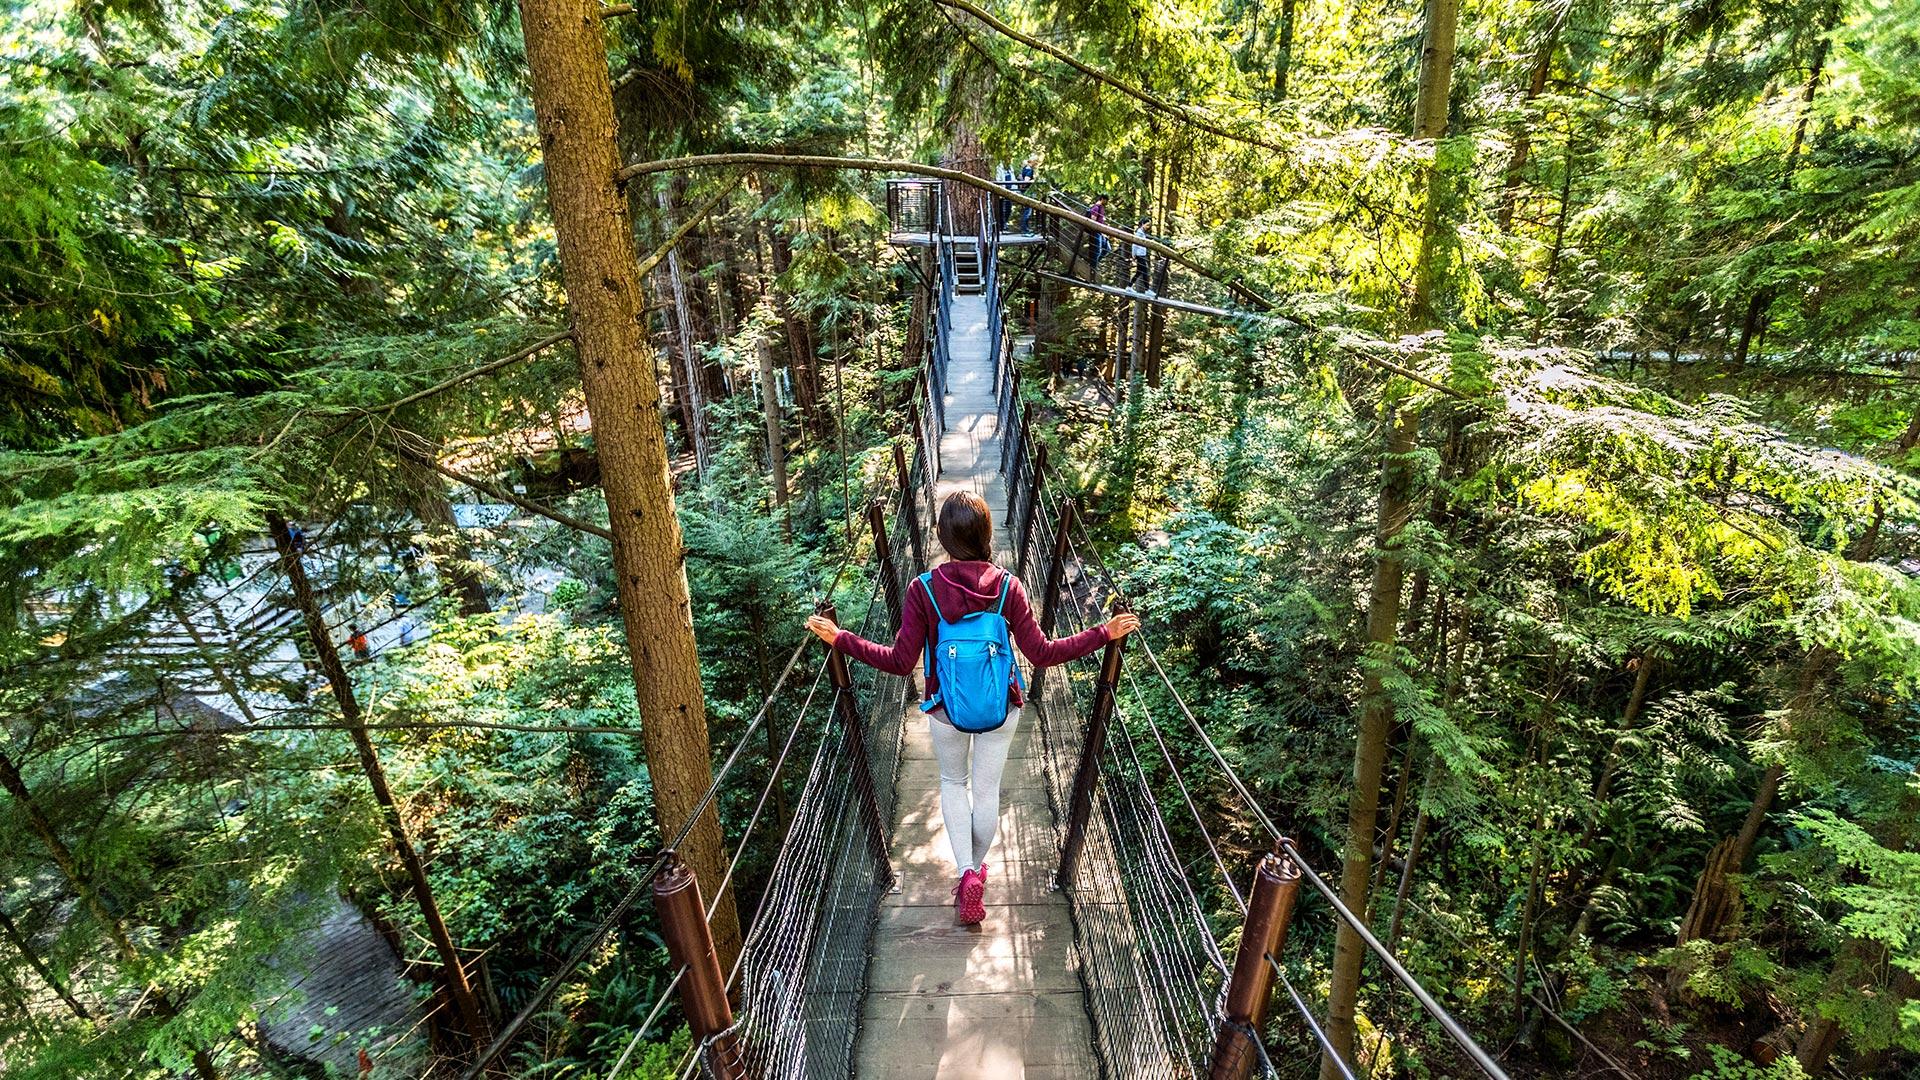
(1104, 953)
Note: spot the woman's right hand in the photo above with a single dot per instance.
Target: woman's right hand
(823, 628)
(1121, 625)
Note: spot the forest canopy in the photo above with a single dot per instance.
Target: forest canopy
(425, 426)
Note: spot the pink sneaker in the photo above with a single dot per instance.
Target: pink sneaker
(972, 891)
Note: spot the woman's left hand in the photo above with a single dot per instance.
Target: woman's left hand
(823, 628)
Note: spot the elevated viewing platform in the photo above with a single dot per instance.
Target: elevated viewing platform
(918, 216)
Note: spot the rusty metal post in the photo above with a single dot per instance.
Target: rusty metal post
(703, 992)
(1087, 775)
(1276, 884)
(883, 555)
(864, 791)
(1056, 568)
(909, 503)
(1025, 533)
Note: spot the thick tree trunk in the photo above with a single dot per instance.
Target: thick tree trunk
(566, 51)
(1522, 141)
(1376, 721)
(1441, 24)
(465, 1003)
(77, 879)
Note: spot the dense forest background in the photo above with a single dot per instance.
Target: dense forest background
(1594, 328)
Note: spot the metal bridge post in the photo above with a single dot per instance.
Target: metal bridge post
(1025, 532)
(908, 503)
(703, 993)
(1087, 776)
(864, 791)
(1276, 884)
(1056, 567)
(883, 554)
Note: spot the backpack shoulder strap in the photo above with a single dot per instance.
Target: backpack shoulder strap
(1006, 582)
(926, 651)
(926, 582)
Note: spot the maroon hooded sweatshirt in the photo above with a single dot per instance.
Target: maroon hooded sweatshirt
(963, 588)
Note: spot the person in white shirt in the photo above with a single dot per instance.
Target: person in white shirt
(1140, 253)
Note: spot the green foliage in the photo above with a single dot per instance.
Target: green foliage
(1726, 1064)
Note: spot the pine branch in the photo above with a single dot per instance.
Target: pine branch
(402, 443)
(1183, 113)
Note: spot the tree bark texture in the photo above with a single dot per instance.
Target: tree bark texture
(1430, 123)
(573, 107)
(1376, 721)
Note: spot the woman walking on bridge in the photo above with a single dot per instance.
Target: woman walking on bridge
(959, 616)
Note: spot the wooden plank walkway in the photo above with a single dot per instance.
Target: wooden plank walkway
(347, 993)
(1002, 1000)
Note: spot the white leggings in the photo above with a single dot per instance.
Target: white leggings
(971, 761)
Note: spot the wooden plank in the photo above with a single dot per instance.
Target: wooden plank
(1003, 999)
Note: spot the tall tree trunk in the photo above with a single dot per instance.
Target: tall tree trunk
(1440, 26)
(1430, 123)
(1421, 821)
(1522, 141)
(466, 1005)
(802, 346)
(1283, 51)
(1560, 220)
(1636, 701)
(77, 879)
(687, 326)
(566, 51)
(1376, 722)
(776, 438)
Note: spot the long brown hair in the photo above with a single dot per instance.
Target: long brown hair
(966, 528)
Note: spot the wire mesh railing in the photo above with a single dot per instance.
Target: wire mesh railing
(1155, 887)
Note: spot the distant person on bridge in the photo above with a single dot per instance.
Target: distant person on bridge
(1099, 243)
(958, 604)
(1026, 177)
(1141, 277)
(1003, 208)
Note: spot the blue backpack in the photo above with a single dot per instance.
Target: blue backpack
(975, 662)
